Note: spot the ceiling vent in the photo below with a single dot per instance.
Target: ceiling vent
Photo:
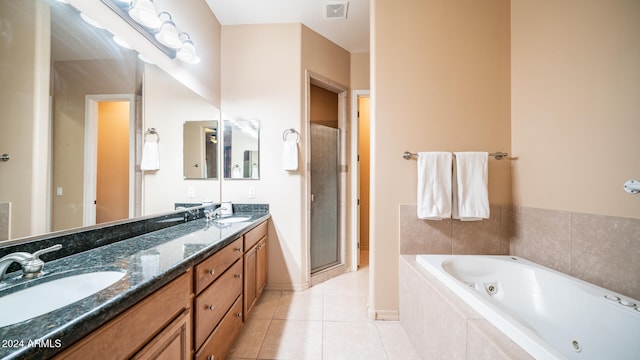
(336, 9)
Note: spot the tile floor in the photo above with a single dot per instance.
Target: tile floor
(326, 322)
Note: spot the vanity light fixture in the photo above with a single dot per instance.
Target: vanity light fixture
(144, 13)
(159, 29)
(168, 33)
(187, 52)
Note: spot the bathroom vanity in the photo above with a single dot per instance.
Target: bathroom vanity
(186, 292)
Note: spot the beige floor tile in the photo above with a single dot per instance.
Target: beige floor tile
(351, 341)
(395, 341)
(266, 305)
(349, 284)
(299, 306)
(345, 308)
(250, 339)
(293, 339)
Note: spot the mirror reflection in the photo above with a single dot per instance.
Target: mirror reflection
(72, 124)
(200, 149)
(241, 149)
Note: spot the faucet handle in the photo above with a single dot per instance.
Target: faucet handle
(36, 255)
(33, 267)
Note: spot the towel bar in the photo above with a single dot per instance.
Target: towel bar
(499, 155)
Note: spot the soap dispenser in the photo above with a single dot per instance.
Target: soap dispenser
(226, 208)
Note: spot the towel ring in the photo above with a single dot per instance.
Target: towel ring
(291, 131)
(152, 131)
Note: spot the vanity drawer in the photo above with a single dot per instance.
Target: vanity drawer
(214, 301)
(219, 343)
(209, 270)
(252, 237)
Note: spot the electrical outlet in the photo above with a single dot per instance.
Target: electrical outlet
(252, 193)
(191, 193)
(59, 191)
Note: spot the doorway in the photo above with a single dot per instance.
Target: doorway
(109, 172)
(360, 177)
(327, 178)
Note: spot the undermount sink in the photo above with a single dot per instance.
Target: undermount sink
(47, 296)
(233, 219)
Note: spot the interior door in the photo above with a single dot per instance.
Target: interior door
(325, 246)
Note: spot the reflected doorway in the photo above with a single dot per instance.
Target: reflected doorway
(109, 183)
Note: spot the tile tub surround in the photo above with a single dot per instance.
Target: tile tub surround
(603, 250)
(5, 220)
(442, 326)
(173, 249)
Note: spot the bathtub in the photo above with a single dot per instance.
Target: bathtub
(549, 314)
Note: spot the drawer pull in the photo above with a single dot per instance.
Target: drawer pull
(238, 249)
(237, 276)
(212, 272)
(238, 315)
(210, 307)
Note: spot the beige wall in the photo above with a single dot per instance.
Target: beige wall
(269, 90)
(24, 128)
(575, 94)
(440, 81)
(167, 104)
(360, 71)
(273, 90)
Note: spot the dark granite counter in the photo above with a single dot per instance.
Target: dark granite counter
(150, 261)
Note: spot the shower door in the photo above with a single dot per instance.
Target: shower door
(325, 247)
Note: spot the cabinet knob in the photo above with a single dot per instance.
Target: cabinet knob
(212, 272)
(238, 314)
(237, 276)
(211, 357)
(210, 307)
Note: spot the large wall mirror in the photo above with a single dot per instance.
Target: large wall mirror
(200, 149)
(72, 119)
(241, 149)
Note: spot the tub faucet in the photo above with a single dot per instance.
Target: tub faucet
(31, 264)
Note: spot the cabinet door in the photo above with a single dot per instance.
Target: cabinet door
(249, 279)
(173, 343)
(261, 266)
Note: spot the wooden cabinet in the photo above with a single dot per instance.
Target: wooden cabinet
(160, 324)
(255, 265)
(201, 312)
(173, 343)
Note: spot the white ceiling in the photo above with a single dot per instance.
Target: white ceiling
(351, 34)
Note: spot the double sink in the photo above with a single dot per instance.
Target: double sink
(32, 298)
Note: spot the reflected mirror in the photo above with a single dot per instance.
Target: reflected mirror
(71, 73)
(200, 149)
(241, 149)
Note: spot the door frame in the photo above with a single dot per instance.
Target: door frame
(91, 153)
(355, 177)
(312, 78)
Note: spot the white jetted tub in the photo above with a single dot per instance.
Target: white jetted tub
(549, 314)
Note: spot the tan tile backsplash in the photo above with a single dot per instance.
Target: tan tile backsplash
(603, 250)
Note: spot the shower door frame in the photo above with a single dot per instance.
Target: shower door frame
(343, 190)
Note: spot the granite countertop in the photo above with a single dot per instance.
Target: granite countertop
(149, 261)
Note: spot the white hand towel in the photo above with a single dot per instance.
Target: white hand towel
(290, 155)
(434, 185)
(150, 159)
(470, 193)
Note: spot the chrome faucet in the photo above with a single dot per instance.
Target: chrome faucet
(31, 264)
